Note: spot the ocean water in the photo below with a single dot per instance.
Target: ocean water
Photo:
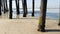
(51, 13)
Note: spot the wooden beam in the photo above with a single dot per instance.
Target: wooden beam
(32, 8)
(0, 7)
(42, 19)
(10, 6)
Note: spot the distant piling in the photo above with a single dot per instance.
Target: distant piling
(32, 8)
(59, 16)
(10, 6)
(59, 21)
(2, 5)
(0, 8)
(17, 7)
(6, 6)
(18, 12)
(24, 8)
(41, 26)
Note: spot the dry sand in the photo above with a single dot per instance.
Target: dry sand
(26, 26)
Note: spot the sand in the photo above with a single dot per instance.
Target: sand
(28, 25)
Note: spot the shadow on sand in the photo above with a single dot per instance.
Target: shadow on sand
(25, 18)
(52, 30)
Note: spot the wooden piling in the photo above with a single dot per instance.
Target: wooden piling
(6, 6)
(24, 14)
(42, 19)
(17, 6)
(10, 6)
(24, 8)
(2, 5)
(32, 8)
(18, 12)
(59, 16)
(0, 8)
(59, 21)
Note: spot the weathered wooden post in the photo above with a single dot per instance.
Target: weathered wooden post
(10, 6)
(59, 17)
(32, 8)
(24, 8)
(6, 6)
(42, 19)
(17, 7)
(59, 21)
(0, 7)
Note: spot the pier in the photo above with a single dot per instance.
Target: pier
(26, 24)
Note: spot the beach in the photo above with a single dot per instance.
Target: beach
(28, 25)
(22, 16)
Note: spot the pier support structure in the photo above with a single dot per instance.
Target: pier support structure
(24, 3)
(5, 6)
(32, 8)
(17, 6)
(0, 8)
(59, 16)
(41, 26)
(10, 6)
(2, 5)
